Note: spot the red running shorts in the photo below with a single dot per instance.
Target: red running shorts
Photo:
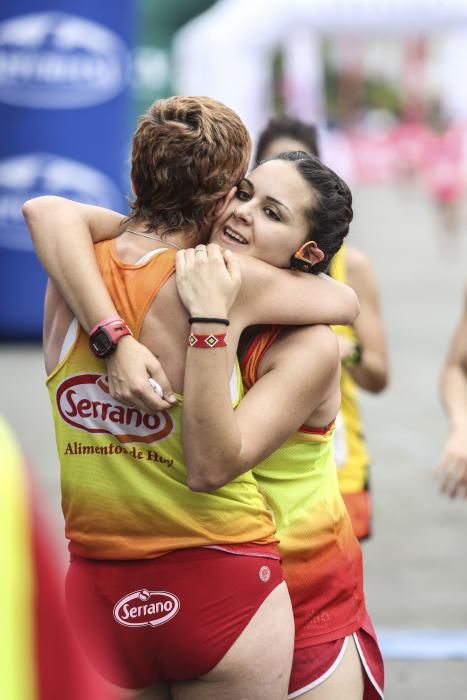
(314, 664)
(169, 618)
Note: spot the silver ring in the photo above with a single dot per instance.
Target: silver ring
(156, 387)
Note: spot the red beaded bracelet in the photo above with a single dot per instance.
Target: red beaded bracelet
(212, 340)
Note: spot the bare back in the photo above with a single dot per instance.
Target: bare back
(165, 327)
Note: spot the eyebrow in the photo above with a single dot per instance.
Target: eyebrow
(268, 197)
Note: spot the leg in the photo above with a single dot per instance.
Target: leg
(257, 666)
(345, 683)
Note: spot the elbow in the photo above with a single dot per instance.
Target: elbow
(38, 207)
(354, 309)
(379, 385)
(208, 476)
(202, 483)
(351, 309)
(201, 477)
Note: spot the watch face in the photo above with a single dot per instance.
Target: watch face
(101, 344)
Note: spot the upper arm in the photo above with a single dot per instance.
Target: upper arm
(49, 215)
(295, 378)
(369, 324)
(272, 295)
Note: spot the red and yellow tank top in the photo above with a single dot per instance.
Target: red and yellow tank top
(124, 482)
(321, 557)
(351, 453)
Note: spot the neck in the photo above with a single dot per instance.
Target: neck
(180, 239)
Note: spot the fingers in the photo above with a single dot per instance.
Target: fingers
(233, 266)
(180, 261)
(129, 369)
(160, 384)
(200, 255)
(452, 479)
(140, 396)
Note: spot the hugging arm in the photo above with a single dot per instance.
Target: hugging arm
(272, 295)
(63, 233)
(221, 442)
(452, 468)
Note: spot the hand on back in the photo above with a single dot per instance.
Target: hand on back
(208, 280)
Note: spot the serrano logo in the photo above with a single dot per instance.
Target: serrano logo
(35, 174)
(84, 402)
(60, 61)
(146, 608)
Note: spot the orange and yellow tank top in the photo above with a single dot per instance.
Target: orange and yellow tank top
(321, 557)
(124, 481)
(351, 453)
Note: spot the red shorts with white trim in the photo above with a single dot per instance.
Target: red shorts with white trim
(314, 664)
(169, 618)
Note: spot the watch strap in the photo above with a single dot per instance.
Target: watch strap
(104, 339)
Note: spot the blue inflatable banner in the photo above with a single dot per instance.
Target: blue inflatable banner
(65, 73)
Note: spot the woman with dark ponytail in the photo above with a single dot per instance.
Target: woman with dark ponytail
(362, 344)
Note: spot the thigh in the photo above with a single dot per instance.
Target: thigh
(257, 666)
(346, 682)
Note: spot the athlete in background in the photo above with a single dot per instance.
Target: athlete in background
(452, 468)
(362, 345)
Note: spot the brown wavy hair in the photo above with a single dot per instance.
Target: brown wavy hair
(188, 152)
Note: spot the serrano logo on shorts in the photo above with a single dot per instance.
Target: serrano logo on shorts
(84, 402)
(146, 608)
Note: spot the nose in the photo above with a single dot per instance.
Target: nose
(242, 212)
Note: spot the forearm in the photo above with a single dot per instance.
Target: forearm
(211, 435)
(454, 396)
(371, 373)
(63, 242)
(270, 295)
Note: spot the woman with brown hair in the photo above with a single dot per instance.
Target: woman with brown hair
(180, 585)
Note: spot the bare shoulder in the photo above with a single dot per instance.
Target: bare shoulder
(360, 274)
(357, 262)
(307, 344)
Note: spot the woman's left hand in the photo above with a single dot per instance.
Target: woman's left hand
(208, 280)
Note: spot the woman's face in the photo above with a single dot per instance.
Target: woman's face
(267, 216)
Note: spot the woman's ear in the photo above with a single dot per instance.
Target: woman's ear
(306, 256)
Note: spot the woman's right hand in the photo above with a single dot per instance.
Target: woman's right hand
(208, 280)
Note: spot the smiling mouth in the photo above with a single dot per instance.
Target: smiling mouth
(234, 236)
